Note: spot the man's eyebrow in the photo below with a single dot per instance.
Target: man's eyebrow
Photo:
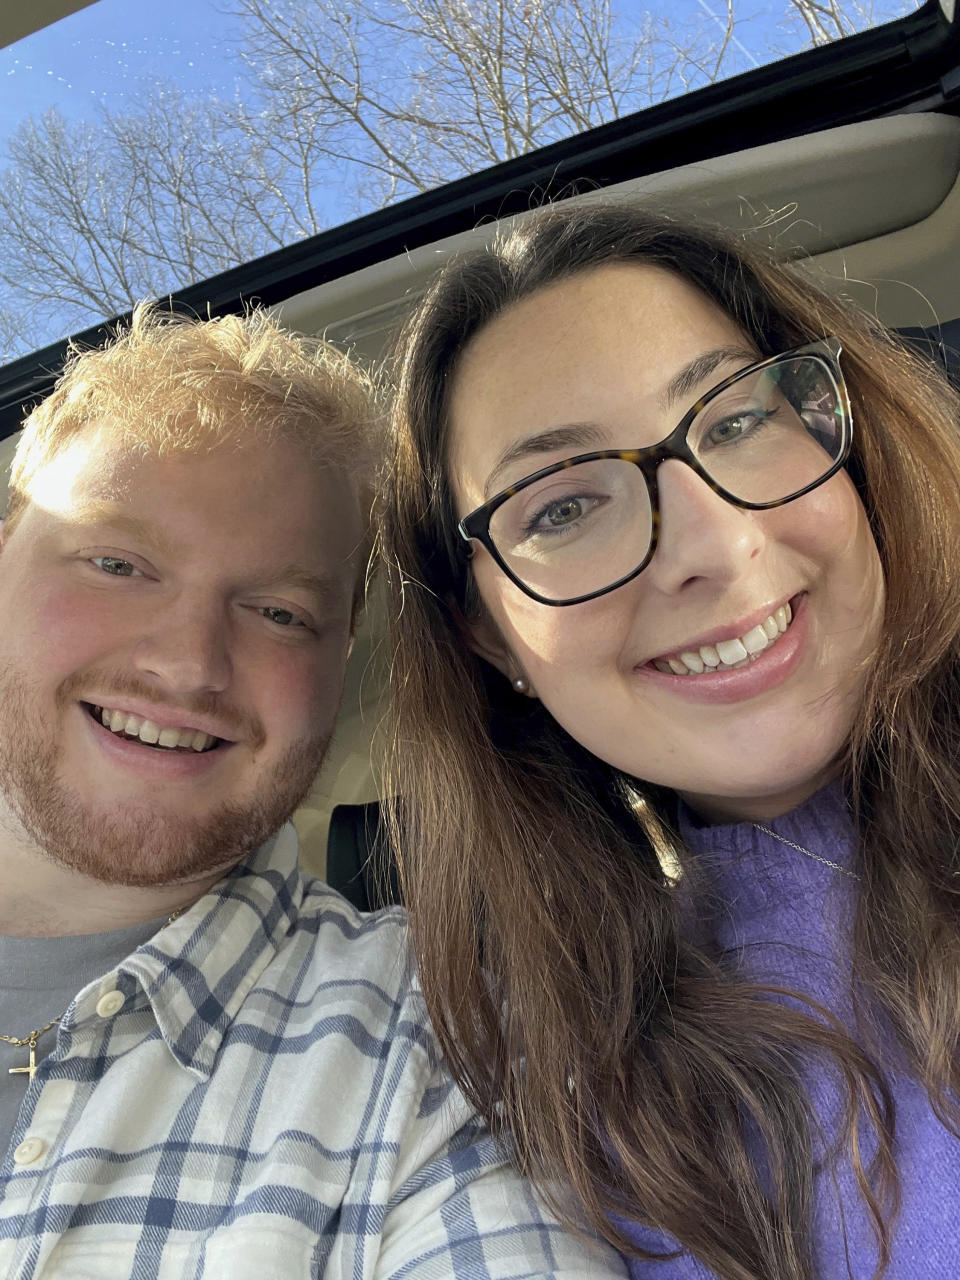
(101, 515)
(326, 587)
(693, 374)
(576, 435)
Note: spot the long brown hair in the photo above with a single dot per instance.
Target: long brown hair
(577, 1014)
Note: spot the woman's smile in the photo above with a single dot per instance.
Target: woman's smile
(743, 665)
(730, 647)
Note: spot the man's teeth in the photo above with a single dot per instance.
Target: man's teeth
(728, 653)
(125, 723)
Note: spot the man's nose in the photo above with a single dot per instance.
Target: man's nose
(187, 647)
(703, 537)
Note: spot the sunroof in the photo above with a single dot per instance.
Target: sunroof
(147, 147)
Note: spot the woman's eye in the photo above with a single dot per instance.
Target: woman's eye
(116, 567)
(739, 424)
(282, 617)
(560, 514)
(564, 512)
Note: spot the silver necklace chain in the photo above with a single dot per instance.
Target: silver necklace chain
(844, 871)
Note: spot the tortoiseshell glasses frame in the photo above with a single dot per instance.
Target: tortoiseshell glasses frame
(476, 525)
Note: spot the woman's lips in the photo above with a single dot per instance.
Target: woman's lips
(732, 650)
(753, 676)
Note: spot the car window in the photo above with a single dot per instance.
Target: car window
(148, 147)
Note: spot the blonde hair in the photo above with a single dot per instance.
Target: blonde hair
(171, 383)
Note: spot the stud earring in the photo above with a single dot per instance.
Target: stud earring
(520, 685)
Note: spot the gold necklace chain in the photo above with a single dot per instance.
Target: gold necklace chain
(844, 871)
(32, 1038)
(30, 1041)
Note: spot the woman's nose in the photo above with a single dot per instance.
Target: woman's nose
(702, 537)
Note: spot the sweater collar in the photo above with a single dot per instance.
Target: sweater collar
(740, 852)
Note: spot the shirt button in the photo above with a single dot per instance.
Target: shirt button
(30, 1149)
(110, 1004)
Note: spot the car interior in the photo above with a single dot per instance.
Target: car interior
(847, 157)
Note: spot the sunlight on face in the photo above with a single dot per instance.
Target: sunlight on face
(53, 485)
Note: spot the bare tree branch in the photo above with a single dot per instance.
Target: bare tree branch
(342, 110)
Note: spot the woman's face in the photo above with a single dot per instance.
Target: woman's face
(599, 351)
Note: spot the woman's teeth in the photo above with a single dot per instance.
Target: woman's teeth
(727, 654)
(126, 724)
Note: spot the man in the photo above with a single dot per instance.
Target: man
(209, 1067)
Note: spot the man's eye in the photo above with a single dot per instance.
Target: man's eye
(115, 566)
(282, 617)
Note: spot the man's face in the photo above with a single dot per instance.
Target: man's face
(173, 636)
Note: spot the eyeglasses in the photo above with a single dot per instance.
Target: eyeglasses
(582, 527)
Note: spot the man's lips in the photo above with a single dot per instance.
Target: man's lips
(164, 717)
(131, 728)
(150, 762)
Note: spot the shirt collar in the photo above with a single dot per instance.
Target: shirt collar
(197, 972)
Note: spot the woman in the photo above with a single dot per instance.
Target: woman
(677, 709)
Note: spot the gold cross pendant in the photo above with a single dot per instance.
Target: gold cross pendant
(32, 1068)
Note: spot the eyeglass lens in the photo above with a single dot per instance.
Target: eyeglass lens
(763, 439)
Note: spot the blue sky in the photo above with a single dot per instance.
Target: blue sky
(108, 52)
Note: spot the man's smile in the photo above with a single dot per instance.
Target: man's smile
(136, 728)
(185, 754)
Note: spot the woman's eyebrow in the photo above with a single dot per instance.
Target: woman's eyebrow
(692, 374)
(585, 435)
(575, 435)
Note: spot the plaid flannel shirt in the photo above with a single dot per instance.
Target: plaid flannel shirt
(257, 1093)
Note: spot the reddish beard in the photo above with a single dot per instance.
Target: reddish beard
(131, 843)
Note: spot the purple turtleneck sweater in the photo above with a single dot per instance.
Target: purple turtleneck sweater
(789, 917)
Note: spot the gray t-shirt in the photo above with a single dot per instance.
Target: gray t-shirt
(39, 978)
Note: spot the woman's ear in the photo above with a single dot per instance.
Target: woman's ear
(482, 635)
